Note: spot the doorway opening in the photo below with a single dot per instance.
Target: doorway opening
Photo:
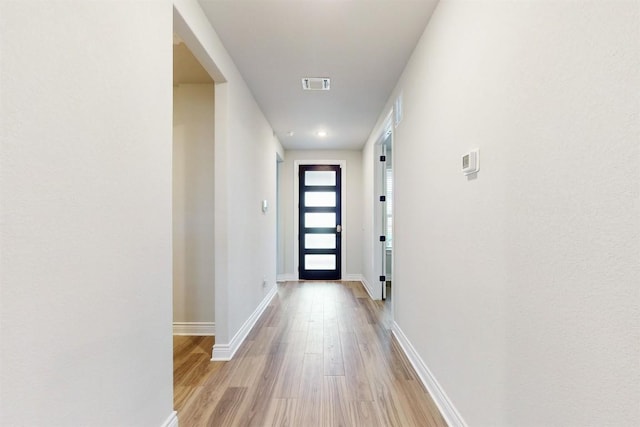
(383, 212)
(387, 214)
(193, 217)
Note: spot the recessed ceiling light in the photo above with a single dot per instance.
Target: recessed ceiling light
(322, 133)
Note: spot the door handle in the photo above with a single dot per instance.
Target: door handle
(338, 228)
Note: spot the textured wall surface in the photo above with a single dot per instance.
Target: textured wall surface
(518, 287)
(85, 213)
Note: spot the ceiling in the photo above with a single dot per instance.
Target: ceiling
(361, 45)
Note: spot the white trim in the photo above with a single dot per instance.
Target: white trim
(367, 287)
(289, 277)
(343, 207)
(445, 405)
(202, 329)
(172, 421)
(225, 352)
(379, 227)
(352, 277)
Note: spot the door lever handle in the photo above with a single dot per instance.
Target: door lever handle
(338, 228)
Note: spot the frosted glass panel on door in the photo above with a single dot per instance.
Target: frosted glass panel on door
(320, 219)
(320, 262)
(315, 178)
(320, 241)
(320, 199)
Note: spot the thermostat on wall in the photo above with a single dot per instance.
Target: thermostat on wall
(471, 162)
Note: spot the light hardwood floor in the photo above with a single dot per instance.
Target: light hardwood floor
(322, 354)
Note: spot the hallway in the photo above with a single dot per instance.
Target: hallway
(322, 354)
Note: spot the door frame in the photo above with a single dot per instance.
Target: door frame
(387, 135)
(379, 251)
(296, 211)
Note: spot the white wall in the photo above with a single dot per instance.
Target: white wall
(370, 230)
(193, 203)
(280, 270)
(352, 227)
(245, 174)
(519, 287)
(85, 213)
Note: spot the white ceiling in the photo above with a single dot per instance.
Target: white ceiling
(362, 45)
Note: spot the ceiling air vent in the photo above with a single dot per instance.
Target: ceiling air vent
(316, 83)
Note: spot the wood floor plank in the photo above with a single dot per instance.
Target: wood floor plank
(288, 382)
(321, 355)
(200, 406)
(400, 365)
(369, 310)
(192, 366)
(182, 394)
(315, 337)
(356, 375)
(281, 413)
(333, 361)
(260, 394)
(250, 371)
(389, 406)
(227, 407)
(193, 370)
(300, 321)
(336, 402)
(424, 411)
(309, 411)
(264, 341)
(364, 414)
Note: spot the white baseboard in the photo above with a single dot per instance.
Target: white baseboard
(448, 411)
(172, 421)
(368, 288)
(286, 277)
(294, 278)
(225, 352)
(203, 329)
